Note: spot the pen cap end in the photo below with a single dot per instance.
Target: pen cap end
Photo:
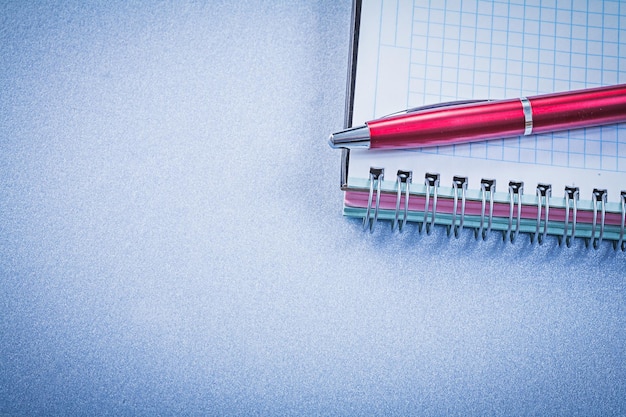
(356, 137)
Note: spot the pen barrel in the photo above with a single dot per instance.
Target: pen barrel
(578, 109)
(500, 119)
(449, 125)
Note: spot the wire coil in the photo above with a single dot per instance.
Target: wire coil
(572, 195)
(459, 209)
(516, 189)
(376, 177)
(403, 181)
(432, 183)
(486, 186)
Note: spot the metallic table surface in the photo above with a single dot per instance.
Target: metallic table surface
(172, 240)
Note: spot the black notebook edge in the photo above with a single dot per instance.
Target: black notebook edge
(350, 85)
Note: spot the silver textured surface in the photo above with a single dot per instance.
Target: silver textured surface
(171, 238)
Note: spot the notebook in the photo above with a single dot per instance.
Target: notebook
(413, 53)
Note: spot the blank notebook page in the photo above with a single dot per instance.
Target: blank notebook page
(424, 52)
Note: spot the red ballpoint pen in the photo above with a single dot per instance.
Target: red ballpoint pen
(463, 122)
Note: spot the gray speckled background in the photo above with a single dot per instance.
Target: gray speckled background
(171, 238)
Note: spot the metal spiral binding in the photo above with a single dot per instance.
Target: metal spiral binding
(572, 194)
(620, 243)
(487, 192)
(458, 183)
(376, 175)
(515, 189)
(431, 181)
(486, 186)
(599, 197)
(403, 177)
(544, 192)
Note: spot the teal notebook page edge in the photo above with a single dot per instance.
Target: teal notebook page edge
(419, 53)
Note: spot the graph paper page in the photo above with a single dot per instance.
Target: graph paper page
(413, 53)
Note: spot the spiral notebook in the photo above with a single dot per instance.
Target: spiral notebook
(407, 54)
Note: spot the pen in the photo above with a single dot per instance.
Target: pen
(463, 122)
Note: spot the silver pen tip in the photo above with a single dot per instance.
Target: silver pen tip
(356, 137)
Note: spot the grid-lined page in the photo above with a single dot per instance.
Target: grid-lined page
(424, 52)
